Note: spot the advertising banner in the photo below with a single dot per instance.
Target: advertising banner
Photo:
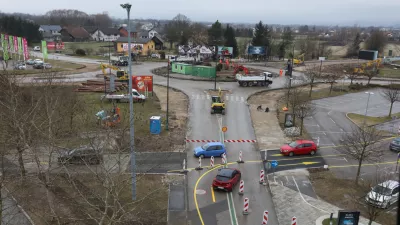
(11, 43)
(44, 50)
(256, 50)
(2, 41)
(5, 48)
(20, 48)
(134, 47)
(15, 44)
(26, 50)
(222, 50)
(55, 45)
(141, 83)
(6, 40)
(348, 217)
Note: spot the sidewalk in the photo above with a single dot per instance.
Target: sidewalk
(307, 210)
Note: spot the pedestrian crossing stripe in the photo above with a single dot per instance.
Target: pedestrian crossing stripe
(231, 98)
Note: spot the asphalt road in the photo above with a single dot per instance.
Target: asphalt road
(330, 124)
(289, 163)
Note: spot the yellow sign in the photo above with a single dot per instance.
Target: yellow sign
(224, 129)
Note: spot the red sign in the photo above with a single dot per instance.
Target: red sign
(143, 83)
(55, 45)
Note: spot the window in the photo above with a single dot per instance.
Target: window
(212, 148)
(395, 191)
(181, 67)
(300, 146)
(307, 145)
(219, 147)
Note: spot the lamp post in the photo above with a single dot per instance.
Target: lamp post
(128, 6)
(366, 109)
(288, 93)
(167, 122)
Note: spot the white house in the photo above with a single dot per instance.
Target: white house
(105, 34)
(50, 29)
(148, 33)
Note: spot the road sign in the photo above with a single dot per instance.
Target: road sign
(224, 129)
(274, 164)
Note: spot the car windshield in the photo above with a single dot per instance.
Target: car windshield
(293, 144)
(222, 178)
(396, 141)
(382, 190)
(204, 147)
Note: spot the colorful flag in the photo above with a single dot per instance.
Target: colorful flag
(44, 50)
(15, 44)
(2, 43)
(20, 48)
(26, 50)
(6, 40)
(5, 47)
(11, 43)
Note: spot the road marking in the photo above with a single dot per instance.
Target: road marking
(301, 195)
(234, 222)
(329, 113)
(274, 155)
(212, 194)
(341, 129)
(311, 125)
(332, 120)
(302, 163)
(307, 157)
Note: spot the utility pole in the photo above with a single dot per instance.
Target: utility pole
(216, 65)
(167, 119)
(128, 6)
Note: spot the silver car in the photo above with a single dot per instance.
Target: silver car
(47, 65)
(30, 62)
(384, 194)
(20, 66)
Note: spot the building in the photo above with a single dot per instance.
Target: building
(152, 34)
(123, 31)
(140, 46)
(51, 29)
(74, 34)
(105, 34)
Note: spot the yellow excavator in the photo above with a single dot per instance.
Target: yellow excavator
(299, 60)
(121, 74)
(361, 68)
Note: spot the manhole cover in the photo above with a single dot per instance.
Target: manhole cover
(200, 192)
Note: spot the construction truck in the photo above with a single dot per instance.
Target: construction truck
(119, 60)
(217, 103)
(299, 60)
(263, 79)
(241, 68)
(122, 75)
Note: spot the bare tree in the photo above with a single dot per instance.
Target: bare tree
(302, 110)
(313, 71)
(392, 95)
(371, 72)
(332, 76)
(362, 144)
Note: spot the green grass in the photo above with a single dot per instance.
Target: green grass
(389, 72)
(83, 45)
(326, 221)
(370, 120)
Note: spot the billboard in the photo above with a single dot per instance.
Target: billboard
(134, 47)
(55, 45)
(348, 217)
(143, 82)
(256, 50)
(222, 50)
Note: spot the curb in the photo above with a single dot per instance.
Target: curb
(352, 120)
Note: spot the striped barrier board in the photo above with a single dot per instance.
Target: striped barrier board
(228, 141)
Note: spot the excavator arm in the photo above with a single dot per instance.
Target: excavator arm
(105, 66)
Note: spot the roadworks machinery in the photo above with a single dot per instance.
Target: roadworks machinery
(368, 65)
(121, 74)
(217, 104)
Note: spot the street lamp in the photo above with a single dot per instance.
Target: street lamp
(167, 122)
(128, 6)
(366, 109)
(288, 93)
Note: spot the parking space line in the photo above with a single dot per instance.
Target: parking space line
(212, 194)
(332, 120)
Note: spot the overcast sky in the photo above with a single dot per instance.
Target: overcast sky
(320, 12)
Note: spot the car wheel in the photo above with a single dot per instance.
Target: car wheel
(291, 153)
(223, 112)
(387, 205)
(201, 156)
(312, 152)
(222, 155)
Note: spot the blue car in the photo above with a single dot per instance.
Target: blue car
(215, 149)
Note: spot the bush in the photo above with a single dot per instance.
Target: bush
(162, 55)
(80, 52)
(219, 67)
(356, 86)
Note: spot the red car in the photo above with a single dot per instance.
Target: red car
(226, 179)
(299, 147)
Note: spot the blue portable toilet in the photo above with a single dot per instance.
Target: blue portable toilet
(155, 124)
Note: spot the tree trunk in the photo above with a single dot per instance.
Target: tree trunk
(311, 87)
(351, 81)
(330, 90)
(301, 126)
(369, 80)
(21, 162)
(390, 110)
(370, 221)
(358, 170)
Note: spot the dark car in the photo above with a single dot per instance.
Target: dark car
(38, 66)
(226, 179)
(81, 155)
(121, 63)
(395, 145)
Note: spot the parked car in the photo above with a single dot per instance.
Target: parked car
(383, 195)
(37, 61)
(38, 66)
(395, 145)
(20, 66)
(47, 65)
(154, 55)
(215, 149)
(30, 62)
(121, 63)
(299, 147)
(81, 155)
(226, 179)
(36, 48)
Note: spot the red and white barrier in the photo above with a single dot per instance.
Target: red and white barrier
(201, 141)
(229, 141)
(265, 218)
(241, 141)
(240, 157)
(246, 206)
(262, 177)
(241, 187)
(294, 220)
(212, 161)
(224, 159)
(199, 167)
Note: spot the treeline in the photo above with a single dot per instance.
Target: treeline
(17, 26)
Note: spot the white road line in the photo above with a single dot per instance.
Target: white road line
(242, 99)
(329, 112)
(341, 129)
(332, 120)
(208, 96)
(282, 183)
(311, 125)
(324, 133)
(345, 159)
(301, 195)
(227, 97)
(275, 180)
